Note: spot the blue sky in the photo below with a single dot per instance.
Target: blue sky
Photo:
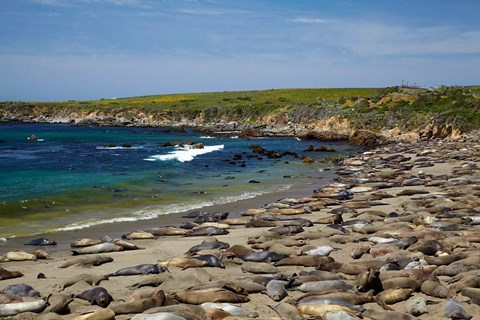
(91, 49)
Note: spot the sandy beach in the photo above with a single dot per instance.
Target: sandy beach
(428, 191)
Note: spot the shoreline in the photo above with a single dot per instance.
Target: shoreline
(401, 192)
(117, 229)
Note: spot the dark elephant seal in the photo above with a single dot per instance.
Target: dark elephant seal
(139, 269)
(207, 231)
(151, 281)
(454, 310)
(276, 290)
(41, 242)
(264, 256)
(5, 274)
(97, 296)
(212, 261)
(22, 290)
(306, 261)
(207, 246)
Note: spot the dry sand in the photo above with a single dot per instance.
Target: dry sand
(455, 155)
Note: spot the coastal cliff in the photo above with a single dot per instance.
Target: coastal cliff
(363, 116)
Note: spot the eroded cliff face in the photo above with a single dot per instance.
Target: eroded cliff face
(306, 124)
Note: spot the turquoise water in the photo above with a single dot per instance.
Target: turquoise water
(74, 177)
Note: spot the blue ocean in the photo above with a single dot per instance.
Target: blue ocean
(73, 177)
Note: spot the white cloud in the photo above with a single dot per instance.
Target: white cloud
(310, 20)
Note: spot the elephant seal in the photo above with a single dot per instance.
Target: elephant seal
(287, 311)
(139, 235)
(85, 242)
(139, 269)
(306, 261)
(212, 261)
(159, 316)
(210, 295)
(58, 303)
(22, 290)
(126, 245)
(184, 263)
(238, 250)
(402, 283)
(473, 294)
(88, 278)
(387, 315)
(354, 298)
(41, 254)
(326, 285)
(391, 296)
(469, 281)
(168, 231)
(264, 256)
(97, 296)
(9, 298)
(435, 289)
(207, 231)
(5, 274)
(258, 267)
(102, 314)
(320, 251)
(19, 255)
(96, 260)
(416, 306)
(151, 281)
(139, 305)
(454, 310)
(286, 230)
(41, 242)
(207, 246)
(12, 309)
(276, 290)
(98, 248)
(230, 308)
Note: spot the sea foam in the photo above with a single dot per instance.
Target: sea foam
(184, 154)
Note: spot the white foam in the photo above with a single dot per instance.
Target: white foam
(184, 154)
(117, 148)
(148, 214)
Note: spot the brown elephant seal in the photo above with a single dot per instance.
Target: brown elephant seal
(139, 305)
(306, 261)
(473, 294)
(231, 309)
(5, 274)
(91, 279)
(320, 310)
(326, 285)
(139, 235)
(402, 283)
(186, 311)
(238, 250)
(287, 311)
(454, 269)
(85, 242)
(168, 231)
(183, 263)
(127, 245)
(358, 251)
(345, 268)
(97, 296)
(258, 267)
(41, 254)
(391, 296)
(102, 314)
(386, 315)
(153, 280)
(58, 303)
(435, 289)
(467, 282)
(354, 298)
(95, 260)
(416, 306)
(210, 295)
(19, 255)
(9, 298)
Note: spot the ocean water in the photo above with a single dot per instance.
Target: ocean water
(73, 177)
